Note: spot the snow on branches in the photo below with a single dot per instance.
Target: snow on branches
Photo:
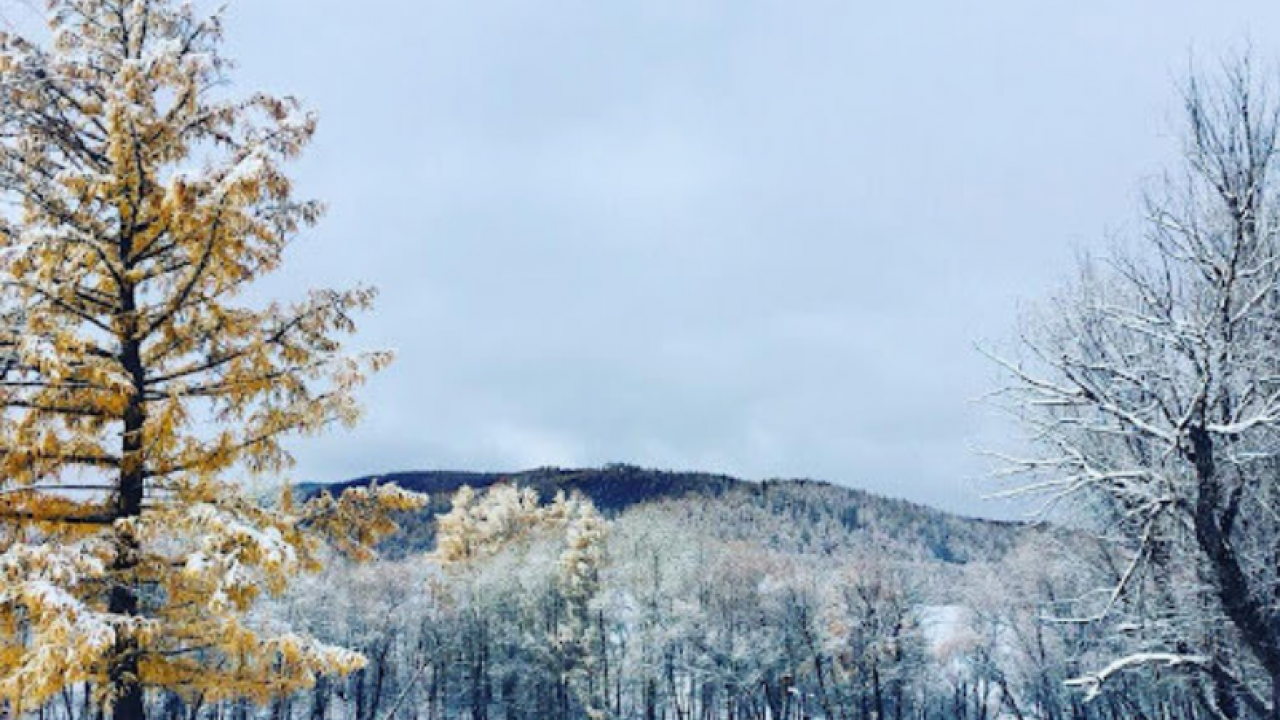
(136, 380)
(1151, 388)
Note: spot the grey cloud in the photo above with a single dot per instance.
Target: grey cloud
(758, 237)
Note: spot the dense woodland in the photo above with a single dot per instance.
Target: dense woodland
(764, 602)
(145, 395)
(747, 601)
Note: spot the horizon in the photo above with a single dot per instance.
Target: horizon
(504, 476)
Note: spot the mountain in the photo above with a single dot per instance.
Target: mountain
(613, 488)
(803, 516)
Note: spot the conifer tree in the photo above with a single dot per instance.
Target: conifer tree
(137, 380)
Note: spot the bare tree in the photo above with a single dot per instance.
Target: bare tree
(1152, 388)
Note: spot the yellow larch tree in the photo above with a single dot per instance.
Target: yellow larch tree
(137, 380)
(507, 518)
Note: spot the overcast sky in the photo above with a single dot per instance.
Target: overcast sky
(759, 238)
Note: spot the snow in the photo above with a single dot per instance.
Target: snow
(251, 166)
(1093, 682)
(38, 350)
(946, 627)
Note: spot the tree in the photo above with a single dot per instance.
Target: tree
(1151, 386)
(489, 545)
(135, 376)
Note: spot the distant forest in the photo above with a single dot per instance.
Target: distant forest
(710, 597)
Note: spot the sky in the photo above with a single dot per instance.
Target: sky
(758, 238)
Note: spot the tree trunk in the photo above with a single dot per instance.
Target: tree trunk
(650, 699)
(1275, 697)
(320, 699)
(877, 690)
(1231, 584)
(122, 671)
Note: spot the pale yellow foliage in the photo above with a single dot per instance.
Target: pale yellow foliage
(210, 555)
(506, 519)
(480, 525)
(136, 379)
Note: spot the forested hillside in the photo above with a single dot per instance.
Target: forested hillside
(824, 517)
(694, 595)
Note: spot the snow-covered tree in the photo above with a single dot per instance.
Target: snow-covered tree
(871, 634)
(1151, 386)
(529, 575)
(136, 379)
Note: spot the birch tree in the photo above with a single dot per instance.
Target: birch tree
(136, 379)
(1152, 389)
